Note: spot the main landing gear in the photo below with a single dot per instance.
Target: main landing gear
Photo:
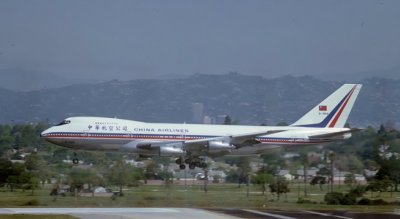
(192, 162)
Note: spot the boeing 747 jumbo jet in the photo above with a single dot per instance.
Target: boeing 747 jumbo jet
(189, 143)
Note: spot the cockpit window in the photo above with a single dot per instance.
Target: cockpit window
(64, 122)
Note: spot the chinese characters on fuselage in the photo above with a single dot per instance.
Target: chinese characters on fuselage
(116, 128)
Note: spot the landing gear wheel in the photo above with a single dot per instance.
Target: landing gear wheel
(192, 166)
(75, 161)
(182, 166)
(178, 161)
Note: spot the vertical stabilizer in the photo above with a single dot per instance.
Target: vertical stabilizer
(333, 111)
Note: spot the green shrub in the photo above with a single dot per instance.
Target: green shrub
(349, 199)
(379, 202)
(364, 201)
(333, 198)
(32, 202)
(359, 191)
(304, 201)
(152, 198)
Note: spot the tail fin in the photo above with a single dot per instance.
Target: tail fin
(333, 111)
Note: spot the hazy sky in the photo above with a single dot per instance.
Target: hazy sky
(136, 39)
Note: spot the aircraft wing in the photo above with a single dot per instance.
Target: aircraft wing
(237, 140)
(225, 142)
(203, 146)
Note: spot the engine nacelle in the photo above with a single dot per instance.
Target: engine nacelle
(347, 136)
(219, 146)
(172, 150)
(130, 147)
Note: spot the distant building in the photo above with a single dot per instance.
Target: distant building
(286, 174)
(315, 157)
(340, 176)
(220, 119)
(198, 112)
(289, 155)
(370, 173)
(311, 172)
(18, 161)
(208, 120)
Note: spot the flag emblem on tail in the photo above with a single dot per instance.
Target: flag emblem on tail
(323, 108)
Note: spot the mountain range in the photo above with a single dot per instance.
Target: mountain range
(247, 99)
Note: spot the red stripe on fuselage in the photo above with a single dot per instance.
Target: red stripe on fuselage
(289, 141)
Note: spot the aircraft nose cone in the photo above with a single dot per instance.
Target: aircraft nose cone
(43, 134)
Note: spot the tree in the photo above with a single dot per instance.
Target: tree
(37, 167)
(274, 162)
(304, 161)
(350, 180)
(232, 176)
(371, 164)
(324, 172)
(279, 186)
(380, 185)
(167, 177)
(243, 170)
(122, 174)
(19, 177)
(282, 124)
(228, 120)
(77, 178)
(152, 170)
(5, 170)
(390, 169)
(349, 162)
(6, 140)
(332, 158)
(320, 180)
(262, 179)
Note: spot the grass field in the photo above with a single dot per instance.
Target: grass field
(218, 196)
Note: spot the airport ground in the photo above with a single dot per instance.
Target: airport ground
(180, 213)
(194, 196)
(227, 199)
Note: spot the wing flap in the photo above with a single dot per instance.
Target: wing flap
(333, 135)
(250, 138)
(239, 140)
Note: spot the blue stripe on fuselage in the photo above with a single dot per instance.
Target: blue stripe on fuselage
(132, 137)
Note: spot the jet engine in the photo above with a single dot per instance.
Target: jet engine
(172, 150)
(131, 147)
(219, 146)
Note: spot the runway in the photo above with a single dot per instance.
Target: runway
(192, 213)
(122, 213)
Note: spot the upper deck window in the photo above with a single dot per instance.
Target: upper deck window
(64, 122)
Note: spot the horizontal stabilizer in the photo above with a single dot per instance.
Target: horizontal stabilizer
(333, 135)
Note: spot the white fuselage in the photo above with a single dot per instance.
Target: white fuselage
(109, 134)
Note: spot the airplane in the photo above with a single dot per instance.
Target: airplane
(191, 143)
